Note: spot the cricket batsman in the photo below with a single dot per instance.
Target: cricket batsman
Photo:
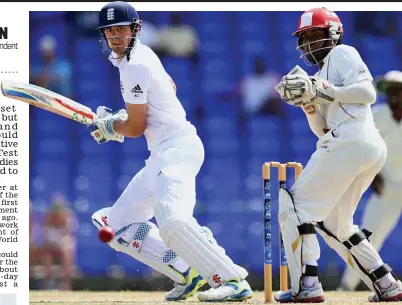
(164, 188)
(384, 207)
(350, 152)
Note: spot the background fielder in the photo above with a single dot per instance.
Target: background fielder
(384, 207)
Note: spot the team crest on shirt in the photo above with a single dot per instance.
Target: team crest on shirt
(310, 109)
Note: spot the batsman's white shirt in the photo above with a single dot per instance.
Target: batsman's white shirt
(143, 80)
(176, 150)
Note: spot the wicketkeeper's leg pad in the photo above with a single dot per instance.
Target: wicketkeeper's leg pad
(359, 254)
(300, 242)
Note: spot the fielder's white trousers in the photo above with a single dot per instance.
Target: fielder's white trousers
(339, 172)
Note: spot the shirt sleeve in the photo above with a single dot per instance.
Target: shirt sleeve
(362, 92)
(349, 66)
(135, 82)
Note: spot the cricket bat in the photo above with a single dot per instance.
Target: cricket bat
(48, 100)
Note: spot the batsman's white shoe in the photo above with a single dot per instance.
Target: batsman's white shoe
(231, 291)
(391, 294)
(313, 294)
(194, 281)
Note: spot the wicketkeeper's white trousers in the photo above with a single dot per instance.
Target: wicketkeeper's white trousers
(380, 216)
(332, 183)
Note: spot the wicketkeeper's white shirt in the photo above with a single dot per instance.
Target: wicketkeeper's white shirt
(143, 79)
(343, 66)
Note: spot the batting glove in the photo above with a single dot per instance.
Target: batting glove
(102, 130)
(103, 111)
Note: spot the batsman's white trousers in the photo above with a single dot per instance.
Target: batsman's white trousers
(180, 159)
(380, 216)
(165, 188)
(341, 169)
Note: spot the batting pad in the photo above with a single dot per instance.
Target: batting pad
(362, 257)
(209, 236)
(142, 242)
(185, 239)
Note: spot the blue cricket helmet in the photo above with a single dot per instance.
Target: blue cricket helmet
(117, 13)
(114, 14)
